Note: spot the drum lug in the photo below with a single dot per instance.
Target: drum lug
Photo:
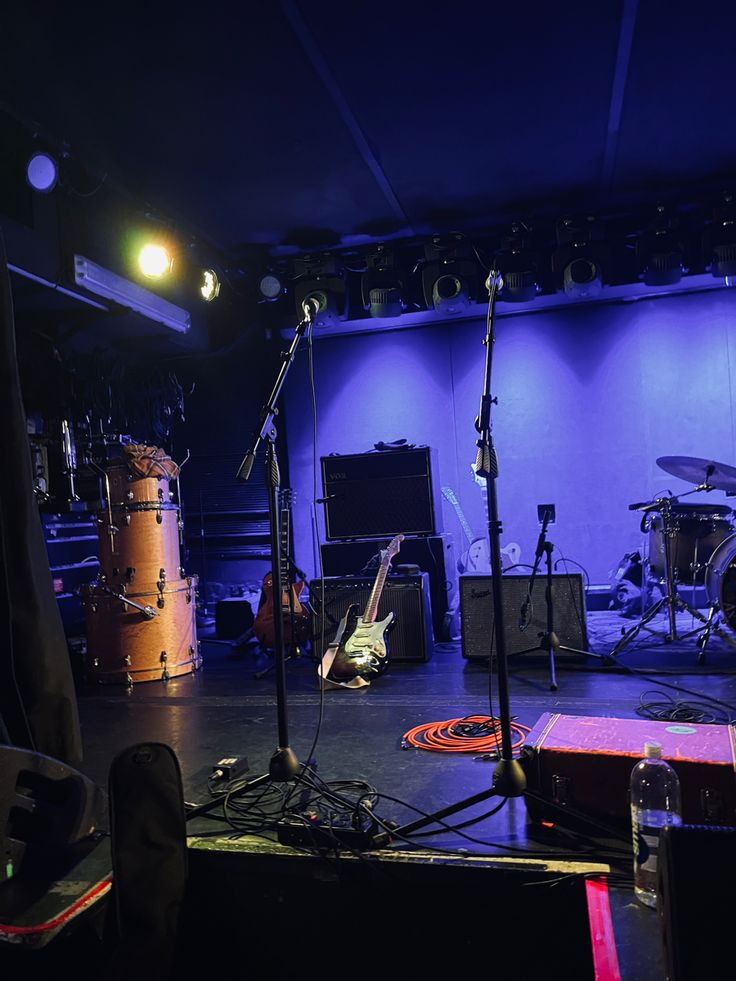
(129, 574)
(160, 602)
(161, 495)
(127, 660)
(128, 681)
(95, 662)
(130, 495)
(181, 572)
(159, 517)
(126, 518)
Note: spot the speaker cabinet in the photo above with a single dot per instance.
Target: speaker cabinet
(478, 621)
(433, 554)
(377, 495)
(409, 639)
(695, 881)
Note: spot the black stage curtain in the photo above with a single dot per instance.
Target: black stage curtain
(38, 705)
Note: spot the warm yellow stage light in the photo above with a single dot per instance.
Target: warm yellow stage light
(155, 260)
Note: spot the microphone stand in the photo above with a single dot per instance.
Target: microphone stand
(548, 641)
(284, 764)
(509, 779)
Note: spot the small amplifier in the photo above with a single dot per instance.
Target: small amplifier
(410, 638)
(434, 554)
(477, 614)
(381, 494)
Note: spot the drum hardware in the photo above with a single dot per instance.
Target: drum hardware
(671, 600)
(147, 610)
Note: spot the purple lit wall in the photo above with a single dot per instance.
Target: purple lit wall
(589, 397)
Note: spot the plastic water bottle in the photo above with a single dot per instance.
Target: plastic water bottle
(655, 802)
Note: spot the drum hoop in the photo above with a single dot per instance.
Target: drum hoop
(142, 506)
(92, 589)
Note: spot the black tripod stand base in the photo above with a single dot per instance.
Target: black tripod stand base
(284, 765)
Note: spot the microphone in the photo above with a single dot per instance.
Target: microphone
(310, 306)
(523, 612)
(542, 533)
(494, 278)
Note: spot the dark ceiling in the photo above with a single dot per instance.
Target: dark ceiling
(299, 125)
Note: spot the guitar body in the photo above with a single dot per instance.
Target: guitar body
(295, 617)
(362, 647)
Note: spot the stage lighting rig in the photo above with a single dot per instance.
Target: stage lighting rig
(719, 240)
(382, 285)
(519, 266)
(660, 251)
(42, 172)
(322, 279)
(580, 256)
(271, 286)
(450, 275)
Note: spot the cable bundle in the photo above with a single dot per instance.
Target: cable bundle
(472, 734)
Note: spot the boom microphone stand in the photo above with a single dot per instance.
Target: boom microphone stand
(284, 764)
(509, 779)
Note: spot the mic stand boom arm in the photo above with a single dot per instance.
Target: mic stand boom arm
(284, 764)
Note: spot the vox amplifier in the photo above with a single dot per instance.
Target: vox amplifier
(381, 494)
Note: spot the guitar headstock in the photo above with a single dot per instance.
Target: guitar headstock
(392, 548)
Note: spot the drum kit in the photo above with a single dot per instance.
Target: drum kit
(140, 611)
(691, 545)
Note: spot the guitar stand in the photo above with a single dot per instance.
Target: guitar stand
(549, 640)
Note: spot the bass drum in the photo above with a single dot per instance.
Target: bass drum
(720, 580)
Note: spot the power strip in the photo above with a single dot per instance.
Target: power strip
(312, 834)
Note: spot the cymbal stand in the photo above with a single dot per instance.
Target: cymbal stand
(671, 601)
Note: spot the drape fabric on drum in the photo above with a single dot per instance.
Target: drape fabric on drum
(38, 704)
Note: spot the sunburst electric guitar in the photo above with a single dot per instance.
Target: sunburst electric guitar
(295, 617)
(362, 647)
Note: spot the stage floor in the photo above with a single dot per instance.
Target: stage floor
(224, 710)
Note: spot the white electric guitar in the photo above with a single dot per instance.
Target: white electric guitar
(476, 560)
(362, 650)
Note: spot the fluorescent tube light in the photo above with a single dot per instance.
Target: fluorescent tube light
(105, 283)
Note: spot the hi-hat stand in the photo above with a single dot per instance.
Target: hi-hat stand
(549, 640)
(509, 779)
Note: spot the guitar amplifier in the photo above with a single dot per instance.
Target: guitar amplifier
(434, 554)
(477, 619)
(377, 495)
(410, 638)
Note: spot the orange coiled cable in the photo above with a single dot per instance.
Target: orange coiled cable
(472, 734)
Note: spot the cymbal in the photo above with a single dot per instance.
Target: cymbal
(697, 471)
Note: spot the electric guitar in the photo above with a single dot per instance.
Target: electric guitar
(296, 618)
(476, 558)
(362, 648)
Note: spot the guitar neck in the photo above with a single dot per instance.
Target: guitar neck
(460, 515)
(372, 606)
(284, 564)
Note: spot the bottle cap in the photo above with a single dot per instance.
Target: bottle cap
(653, 750)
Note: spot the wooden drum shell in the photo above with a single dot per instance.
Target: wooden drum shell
(126, 488)
(124, 646)
(146, 540)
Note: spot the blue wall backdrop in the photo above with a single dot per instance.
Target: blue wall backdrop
(589, 398)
